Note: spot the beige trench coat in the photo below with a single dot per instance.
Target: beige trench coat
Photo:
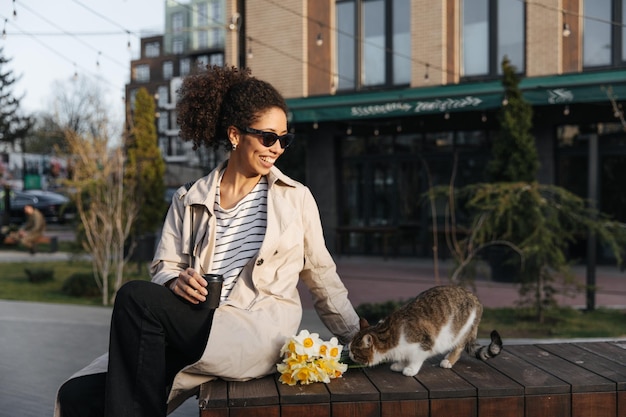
(264, 308)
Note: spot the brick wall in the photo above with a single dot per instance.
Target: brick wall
(544, 38)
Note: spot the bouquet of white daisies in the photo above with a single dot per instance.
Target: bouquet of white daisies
(307, 358)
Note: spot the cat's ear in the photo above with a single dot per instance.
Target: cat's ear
(367, 341)
(363, 323)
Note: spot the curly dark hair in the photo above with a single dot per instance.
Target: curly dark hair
(211, 101)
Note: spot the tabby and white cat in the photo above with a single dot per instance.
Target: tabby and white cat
(439, 320)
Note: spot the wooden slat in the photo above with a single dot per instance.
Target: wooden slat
(213, 399)
(579, 379)
(354, 395)
(587, 359)
(353, 386)
(394, 385)
(447, 407)
(404, 408)
(400, 395)
(550, 405)
(487, 381)
(443, 383)
(355, 409)
(597, 404)
(501, 406)
(303, 394)
(213, 394)
(535, 380)
(256, 392)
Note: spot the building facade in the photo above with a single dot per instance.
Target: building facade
(388, 97)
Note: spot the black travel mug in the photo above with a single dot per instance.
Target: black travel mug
(214, 287)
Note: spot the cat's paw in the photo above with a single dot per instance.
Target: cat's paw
(445, 364)
(397, 367)
(410, 371)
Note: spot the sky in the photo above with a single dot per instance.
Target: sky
(49, 41)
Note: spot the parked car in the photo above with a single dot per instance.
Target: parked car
(55, 207)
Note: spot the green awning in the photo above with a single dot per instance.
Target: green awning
(539, 91)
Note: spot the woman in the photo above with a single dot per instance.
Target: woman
(246, 221)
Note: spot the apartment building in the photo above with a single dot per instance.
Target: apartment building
(384, 93)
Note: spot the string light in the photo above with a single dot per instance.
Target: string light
(566, 29)
(426, 75)
(483, 118)
(319, 41)
(4, 29)
(98, 60)
(566, 110)
(14, 11)
(75, 76)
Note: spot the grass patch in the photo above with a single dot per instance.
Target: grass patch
(516, 323)
(14, 283)
(561, 322)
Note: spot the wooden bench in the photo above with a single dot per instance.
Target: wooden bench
(48, 240)
(543, 380)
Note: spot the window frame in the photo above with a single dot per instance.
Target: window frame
(494, 61)
(357, 51)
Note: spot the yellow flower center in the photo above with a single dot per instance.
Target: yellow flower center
(334, 352)
(308, 342)
(323, 350)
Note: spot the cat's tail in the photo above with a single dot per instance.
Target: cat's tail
(486, 352)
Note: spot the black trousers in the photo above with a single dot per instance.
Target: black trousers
(154, 334)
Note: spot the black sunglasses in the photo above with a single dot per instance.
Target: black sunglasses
(269, 138)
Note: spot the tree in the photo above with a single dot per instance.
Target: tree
(145, 165)
(46, 137)
(13, 125)
(105, 204)
(78, 106)
(514, 151)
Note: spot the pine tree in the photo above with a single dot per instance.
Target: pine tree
(145, 164)
(13, 125)
(514, 151)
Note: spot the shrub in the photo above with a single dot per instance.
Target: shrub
(80, 285)
(374, 312)
(39, 275)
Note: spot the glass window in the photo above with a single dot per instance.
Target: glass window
(401, 41)
(203, 39)
(497, 23)
(153, 49)
(373, 63)
(185, 67)
(163, 93)
(177, 22)
(177, 46)
(162, 122)
(202, 61)
(623, 30)
(168, 70)
(373, 43)
(217, 59)
(597, 43)
(142, 73)
(475, 37)
(346, 52)
(511, 33)
(203, 14)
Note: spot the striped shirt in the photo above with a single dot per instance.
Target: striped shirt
(239, 234)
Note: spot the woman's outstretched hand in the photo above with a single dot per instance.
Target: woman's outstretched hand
(190, 285)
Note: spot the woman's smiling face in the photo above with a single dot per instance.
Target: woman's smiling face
(251, 156)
